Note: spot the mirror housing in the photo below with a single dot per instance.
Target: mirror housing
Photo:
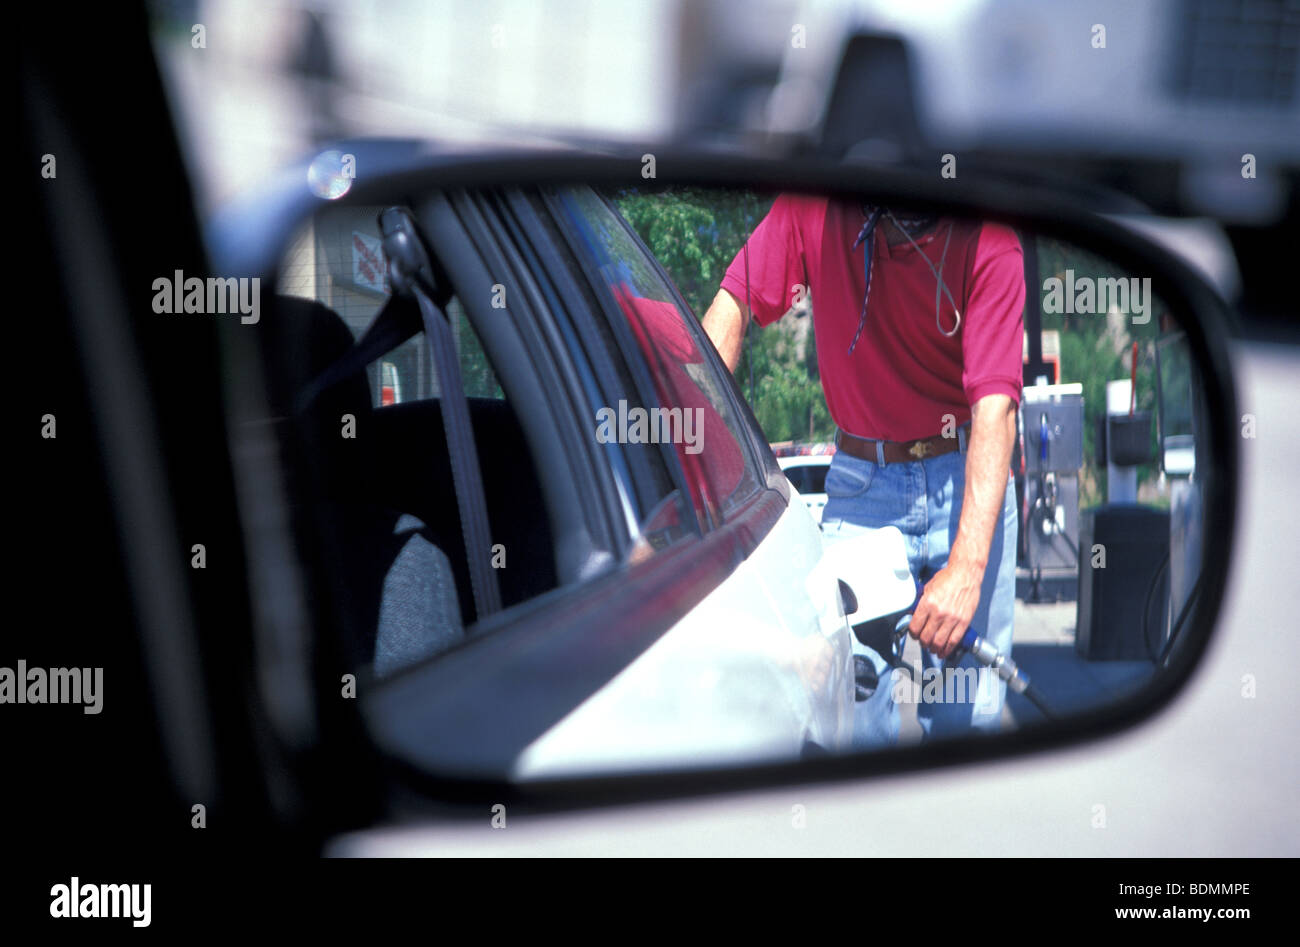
(873, 564)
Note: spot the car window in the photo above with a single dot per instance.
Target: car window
(807, 478)
(337, 259)
(814, 479)
(407, 373)
(373, 485)
(694, 411)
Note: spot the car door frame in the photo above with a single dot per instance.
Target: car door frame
(755, 442)
(560, 638)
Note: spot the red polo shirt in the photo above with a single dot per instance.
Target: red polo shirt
(904, 375)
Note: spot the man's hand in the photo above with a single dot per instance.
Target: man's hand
(949, 600)
(947, 606)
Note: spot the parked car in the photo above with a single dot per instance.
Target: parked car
(808, 475)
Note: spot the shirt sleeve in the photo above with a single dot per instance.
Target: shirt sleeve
(776, 261)
(994, 329)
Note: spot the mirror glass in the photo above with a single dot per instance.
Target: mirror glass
(733, 449)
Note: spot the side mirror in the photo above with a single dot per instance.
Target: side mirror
(765, 669)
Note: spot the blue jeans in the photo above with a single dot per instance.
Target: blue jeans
(923, 499)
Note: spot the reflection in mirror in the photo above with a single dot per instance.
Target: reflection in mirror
(994, 443)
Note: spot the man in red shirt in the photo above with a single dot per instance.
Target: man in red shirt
(919, 327)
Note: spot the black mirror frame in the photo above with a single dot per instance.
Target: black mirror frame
(247, 241)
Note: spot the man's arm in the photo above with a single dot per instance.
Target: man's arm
(725, 325)
(950, 598)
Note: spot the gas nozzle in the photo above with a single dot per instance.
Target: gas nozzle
(984, 653)
(990, 657)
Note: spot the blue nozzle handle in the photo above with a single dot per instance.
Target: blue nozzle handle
(986, 654)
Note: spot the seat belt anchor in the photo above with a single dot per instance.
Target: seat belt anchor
(409, 268)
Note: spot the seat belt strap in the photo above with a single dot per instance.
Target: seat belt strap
(396, 322)
(412, 275)
(465, 470)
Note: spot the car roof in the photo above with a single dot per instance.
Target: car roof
(805, 460)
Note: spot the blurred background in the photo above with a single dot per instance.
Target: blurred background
(1192, 82)
(1179, 118)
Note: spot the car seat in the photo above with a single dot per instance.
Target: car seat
(393, 589)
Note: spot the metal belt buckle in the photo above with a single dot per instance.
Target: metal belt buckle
(919, 450)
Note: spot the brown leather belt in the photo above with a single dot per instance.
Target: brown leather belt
(901, 452)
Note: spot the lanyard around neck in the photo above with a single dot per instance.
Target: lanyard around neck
(866, 237)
